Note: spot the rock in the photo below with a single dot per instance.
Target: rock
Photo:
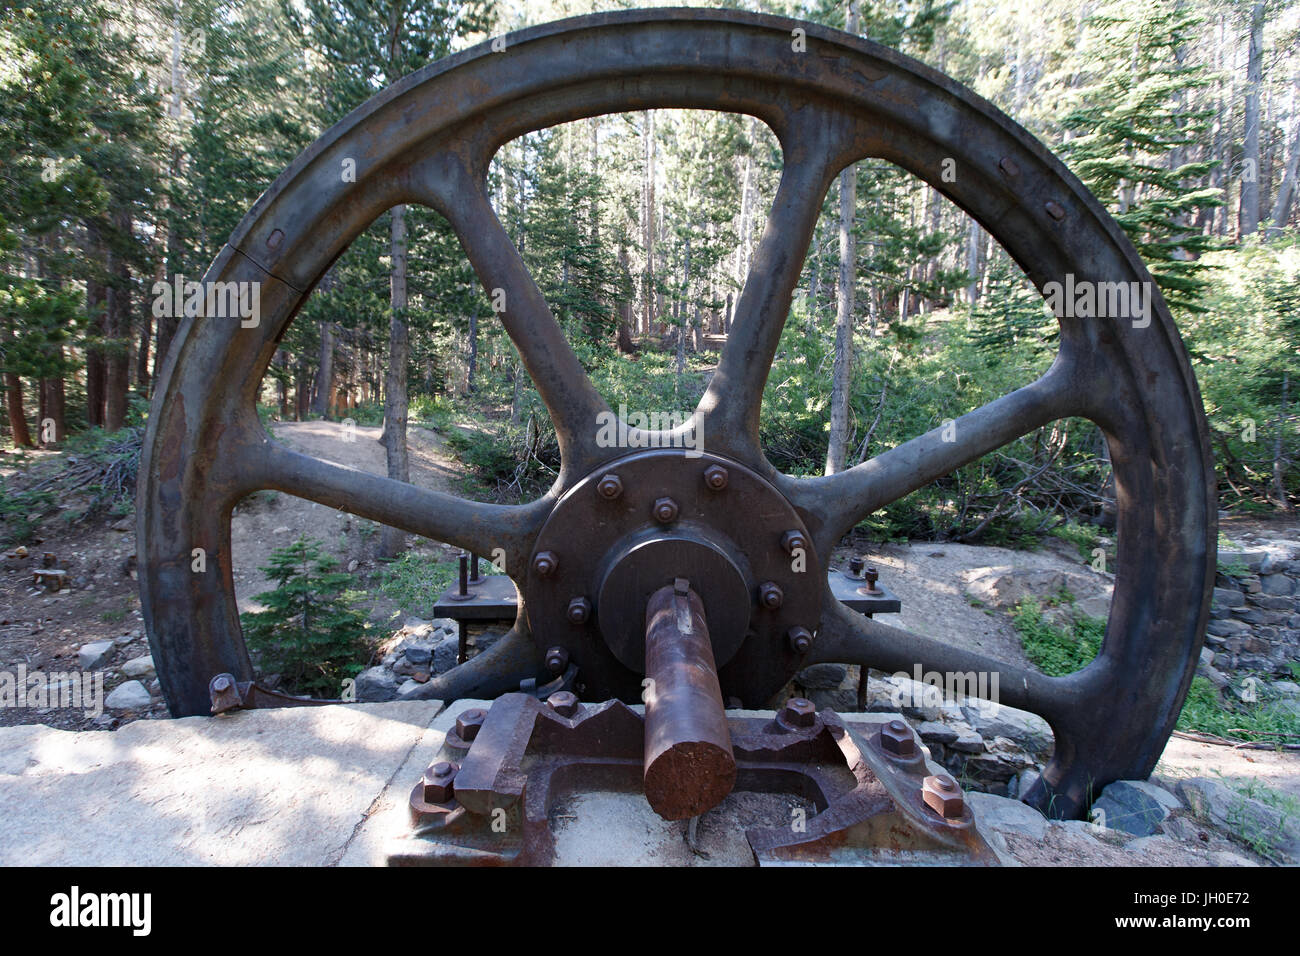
(1229, 597)
(418, 654)
(352, 565)
(444, 654)
(92, 655)
(1244, 816)
(139, 666)
(1252, 560)
(124, 640)
(1285, 688)
(1277, 584)
(408, 687)
(1028, 730)
(1135, 806)
(1008, 816)
(932, 731)
(967, 742)
(1287, 708)
(376, 684)
(1025, 782)
(1227, 628)
(129, 696)
(1184, 830)
(822, 676)
(155, 688)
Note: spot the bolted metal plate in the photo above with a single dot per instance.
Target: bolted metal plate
(616, 550)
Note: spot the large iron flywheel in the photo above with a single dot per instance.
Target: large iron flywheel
(831, 99)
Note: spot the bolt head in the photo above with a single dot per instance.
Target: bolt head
(896, 738)
(438, 782)
(563, 702)
(799, 712)
(610, 486)
(770, 595)
(221, 684)
(856, 564)
(579, 610)
(799, 639)
(665, 510)
(942, 795)
(793, 541)
(469, 723)
(716, 477)
(557, 659)
(545, 563)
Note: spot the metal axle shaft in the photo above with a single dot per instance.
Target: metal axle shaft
(689, 764)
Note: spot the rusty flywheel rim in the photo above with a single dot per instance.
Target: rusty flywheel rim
(428, 139)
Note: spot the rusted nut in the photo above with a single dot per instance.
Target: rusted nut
(439, 784)
(872, 576)
(856, 564)
(665, 510)
(942, 795)
(799, 639)
(545, 563)
(798, 713)
(610, 486)
(557, 659)
(896, 738)
(794, 541)
(770, 595)
(469, 722)
(716, 477)
(221, 683)
(579, 610)
(563, 702)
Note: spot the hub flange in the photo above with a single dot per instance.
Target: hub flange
(730, 536)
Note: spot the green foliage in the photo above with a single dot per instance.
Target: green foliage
(1055, 650)
(416, 580)
(1082, 536)
(21, 512)
(1205, 710)
(309, 632)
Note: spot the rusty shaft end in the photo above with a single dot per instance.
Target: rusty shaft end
(689, 765)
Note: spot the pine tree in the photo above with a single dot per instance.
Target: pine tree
(310, 633)
(1129, 117)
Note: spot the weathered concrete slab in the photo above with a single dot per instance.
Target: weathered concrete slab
(287, 787)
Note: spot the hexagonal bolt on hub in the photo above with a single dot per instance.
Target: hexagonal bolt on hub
(610, 486)
(545, 563)
(665, 510)
(469, 722)
(563, 702)
(579, 610)
(799, 639)
(770, 595)
(557, 659)
(716, 477)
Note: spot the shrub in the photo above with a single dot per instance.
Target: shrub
(310, 632)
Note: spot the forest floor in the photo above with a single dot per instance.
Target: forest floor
(43, 631)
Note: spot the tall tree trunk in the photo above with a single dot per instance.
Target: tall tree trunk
(320, 401)
(1282, 204)
(837, 445)
(392, 540)
(471, 366)
(626, 308)
(1248, 218)
(118, 327)
(17, 416)
(1279, 486)
(648, 189)
(97, 311)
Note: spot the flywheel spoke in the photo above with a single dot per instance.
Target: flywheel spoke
(815, 147)
(842, 500)
(563, 384)
(846, 637)
(502, 532)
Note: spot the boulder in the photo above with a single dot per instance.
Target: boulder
(1005, 815)
(139, 666)
(1135, 806)
(131, 695)
(1028, 730)
(376, 684)
(1249, 819)
(822, 676)
(92, 655)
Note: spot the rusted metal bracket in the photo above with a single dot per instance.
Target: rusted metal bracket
(229, 694)
(487, 797)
